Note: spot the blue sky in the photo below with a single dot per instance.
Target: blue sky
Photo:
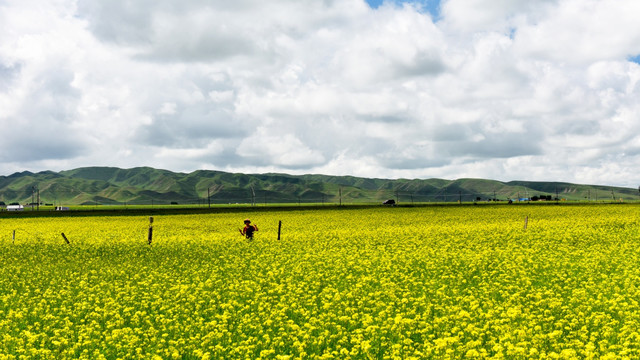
(431, 6)
(545, 90)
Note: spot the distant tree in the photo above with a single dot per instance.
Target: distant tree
(2, 203)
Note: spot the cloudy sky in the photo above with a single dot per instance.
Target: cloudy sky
(502, 89)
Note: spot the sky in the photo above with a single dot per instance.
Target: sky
(545, 90)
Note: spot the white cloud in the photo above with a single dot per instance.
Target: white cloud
(286, 151)
(168, 108)
(497, 89)
(583, 31)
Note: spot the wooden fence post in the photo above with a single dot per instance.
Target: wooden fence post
(65, 239)
(279, 228)
(150, 236)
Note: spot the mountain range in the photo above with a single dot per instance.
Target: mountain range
(145, 185)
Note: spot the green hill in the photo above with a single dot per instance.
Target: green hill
(144, 185)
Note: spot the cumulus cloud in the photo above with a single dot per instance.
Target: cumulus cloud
(544, 90)
(582, 32)
(478, 16)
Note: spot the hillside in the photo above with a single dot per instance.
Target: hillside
(144, 185)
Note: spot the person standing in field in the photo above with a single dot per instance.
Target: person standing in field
(248, 229)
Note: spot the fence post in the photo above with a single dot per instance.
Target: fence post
(65, 239)
(279, 228)
(150, 236)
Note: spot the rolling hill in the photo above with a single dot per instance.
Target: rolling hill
(145, 185)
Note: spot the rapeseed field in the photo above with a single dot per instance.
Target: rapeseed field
(379, 283)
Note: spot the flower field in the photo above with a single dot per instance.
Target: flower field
(444, 282)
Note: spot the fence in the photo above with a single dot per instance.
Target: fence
(339, 196)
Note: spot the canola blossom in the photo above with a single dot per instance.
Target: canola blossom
(444, 282)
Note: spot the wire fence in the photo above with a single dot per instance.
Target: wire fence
(255, 197)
